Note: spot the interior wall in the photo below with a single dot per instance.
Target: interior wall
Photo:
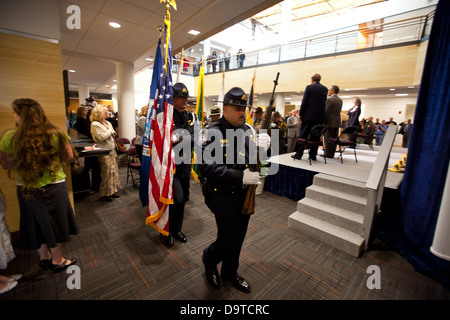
(30, 69)
(399, 66)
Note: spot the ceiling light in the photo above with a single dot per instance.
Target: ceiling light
(411, 87)
(194, 32)
(114, 24)
(401, 94)
(392, 89)
(149, 59)
(71, 70)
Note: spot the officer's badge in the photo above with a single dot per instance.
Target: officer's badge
(224, 142)
(202, 136)
(244, 97)
(184, 90)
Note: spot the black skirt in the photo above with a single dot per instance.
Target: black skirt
(46, 216)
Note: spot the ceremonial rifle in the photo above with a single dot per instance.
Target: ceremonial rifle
(249, 204)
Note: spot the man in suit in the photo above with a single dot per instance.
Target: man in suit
(333, 109)
(405, 130)
(292, 131)
(312, 112)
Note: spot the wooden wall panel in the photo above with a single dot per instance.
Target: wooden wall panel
(29, 68)
(399, 66)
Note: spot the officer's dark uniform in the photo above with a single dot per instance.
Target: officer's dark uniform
(184, 121)
(225, 195)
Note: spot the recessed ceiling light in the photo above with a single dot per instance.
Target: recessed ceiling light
(71, 70)
(411, 87)
(114, 24)
(392, 89)
(401, 94)
(194, 32)
(149, 59)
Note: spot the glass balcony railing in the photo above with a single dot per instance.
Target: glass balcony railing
(378, 35)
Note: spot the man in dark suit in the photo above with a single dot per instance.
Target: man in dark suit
(333, 109)
(405, 130)
(312, 112)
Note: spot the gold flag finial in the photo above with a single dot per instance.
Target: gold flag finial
(170, 2)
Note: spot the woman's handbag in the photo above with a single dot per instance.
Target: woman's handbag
(119, 145)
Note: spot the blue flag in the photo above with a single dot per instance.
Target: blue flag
(146, 160)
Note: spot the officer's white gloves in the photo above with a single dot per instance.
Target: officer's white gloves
(263, 141)
(250, 177)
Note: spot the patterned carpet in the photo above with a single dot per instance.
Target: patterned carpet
(122, 259)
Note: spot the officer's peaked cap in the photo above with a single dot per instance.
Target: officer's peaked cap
(180, 90)
(236, 97)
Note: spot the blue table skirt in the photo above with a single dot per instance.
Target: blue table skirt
(289, 182)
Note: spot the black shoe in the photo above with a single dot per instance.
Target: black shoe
(180, 236)
(45, 263)
(106, 198)
(64, 265)
(167, 240)
(239, 283)
(294, 156)
(116, 195)
(313, 158)
(212, 276)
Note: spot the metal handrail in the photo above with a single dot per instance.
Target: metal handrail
(417, 30)
(375, 183)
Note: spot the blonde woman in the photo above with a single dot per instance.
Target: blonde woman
(103, 133)
(140, 130)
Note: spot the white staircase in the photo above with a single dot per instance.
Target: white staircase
(332, 212)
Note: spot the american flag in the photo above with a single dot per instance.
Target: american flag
(160, 144)
(146, 159)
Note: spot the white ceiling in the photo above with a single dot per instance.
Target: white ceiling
(93, 50)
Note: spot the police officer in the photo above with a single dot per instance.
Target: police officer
(214, 115)
(225, 187)
(183, 129)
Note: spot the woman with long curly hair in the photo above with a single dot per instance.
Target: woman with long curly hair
(34, 154)
(103, 133)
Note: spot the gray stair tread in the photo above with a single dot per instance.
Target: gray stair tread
(332, 178)
(339, 194)
(346, 214)
(328, 228)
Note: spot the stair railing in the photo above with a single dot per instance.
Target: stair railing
(375, 183)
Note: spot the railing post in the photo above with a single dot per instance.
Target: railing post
(335, 47)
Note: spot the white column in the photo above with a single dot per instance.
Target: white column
(279, 103)
(441, 240)
(83, 93)
(125, 99)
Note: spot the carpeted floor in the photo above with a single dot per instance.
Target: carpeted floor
(122, 259)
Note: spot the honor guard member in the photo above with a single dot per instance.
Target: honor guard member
(214, 115)
(225, 183)
(183, 132)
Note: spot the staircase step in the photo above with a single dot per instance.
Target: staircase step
(336, 198)
(332, 235)
(357, 188)
(339, 217)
